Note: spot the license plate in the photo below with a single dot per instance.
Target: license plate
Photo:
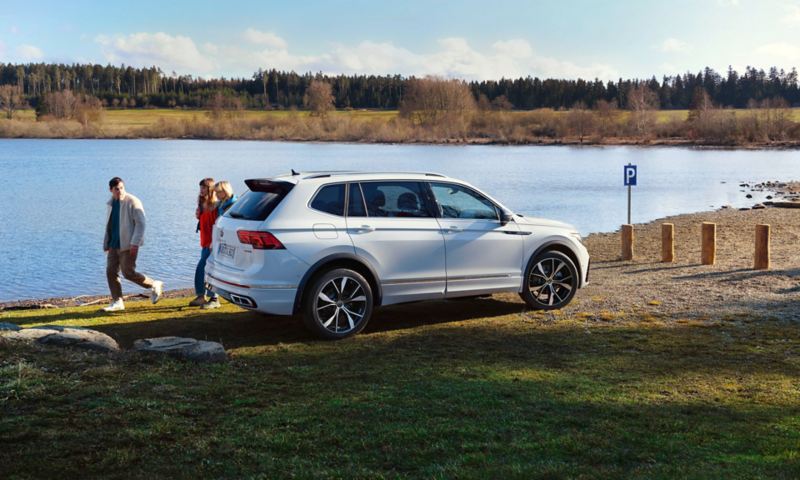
(225, 250)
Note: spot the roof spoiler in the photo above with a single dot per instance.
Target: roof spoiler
(269, 186)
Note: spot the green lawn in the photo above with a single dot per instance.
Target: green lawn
(471, 389)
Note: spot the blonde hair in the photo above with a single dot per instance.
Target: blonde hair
(210, 199)
(224, 186)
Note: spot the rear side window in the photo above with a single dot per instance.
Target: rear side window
(395, 199)
(330, 199)
(258, 204)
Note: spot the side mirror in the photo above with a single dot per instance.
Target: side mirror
(506, 217)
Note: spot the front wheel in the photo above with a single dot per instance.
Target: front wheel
(338, 305)
(551, 281)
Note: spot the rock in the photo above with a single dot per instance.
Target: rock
(5, 326)
(182, 347)
(759, 206)
(748, 196)
(743, 185)
(744, 208)
(769, 197)
(725, 207)
(66, 337)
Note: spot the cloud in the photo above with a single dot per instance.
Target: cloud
(268, 39)
(779, 53)
(791, 15)
(673, 45)
(728, 3)
(451, 57)
(170, 52)
(29, 53)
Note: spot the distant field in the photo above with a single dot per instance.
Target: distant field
(143, 117)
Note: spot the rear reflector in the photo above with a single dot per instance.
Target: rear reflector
(260, 240)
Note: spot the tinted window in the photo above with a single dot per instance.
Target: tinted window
(456, 201)
(355, 207)
(255, 205)
(330, 199)
(395, 199)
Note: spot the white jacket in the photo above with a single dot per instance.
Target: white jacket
(131, 222)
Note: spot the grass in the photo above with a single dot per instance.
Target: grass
(470, 389)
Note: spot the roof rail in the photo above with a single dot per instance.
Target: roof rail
(327, 174)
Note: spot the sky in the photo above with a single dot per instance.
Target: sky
(474, 40)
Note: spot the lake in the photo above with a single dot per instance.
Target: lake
(52, 219)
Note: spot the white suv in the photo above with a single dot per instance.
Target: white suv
(335, 245)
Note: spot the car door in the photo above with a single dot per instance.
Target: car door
(392, 225)
(482, 254)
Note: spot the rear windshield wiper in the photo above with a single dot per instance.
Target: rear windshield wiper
(235, 215)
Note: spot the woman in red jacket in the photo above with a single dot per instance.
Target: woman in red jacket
(206, 215)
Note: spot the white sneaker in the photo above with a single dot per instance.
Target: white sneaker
(156, 291)
(116, 306)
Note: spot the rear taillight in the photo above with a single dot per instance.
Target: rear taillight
(260, 240)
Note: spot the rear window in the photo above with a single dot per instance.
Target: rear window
(257, 205)
(330, 199)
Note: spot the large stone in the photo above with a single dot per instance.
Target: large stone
(182, 347)
(65, 337)
(5, 327)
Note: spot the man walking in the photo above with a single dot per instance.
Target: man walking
(125, 224)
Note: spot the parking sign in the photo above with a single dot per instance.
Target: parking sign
(629, 175)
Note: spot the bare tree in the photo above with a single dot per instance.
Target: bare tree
(433, 100)
(580, 120)
(11, 99)
(642, 102)
(66, 105)
(319, 98)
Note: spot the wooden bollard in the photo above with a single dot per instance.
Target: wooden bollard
(709, 246)
(762, 248)
(667, 242)
(627, 242)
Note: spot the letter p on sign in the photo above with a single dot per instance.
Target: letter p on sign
(630, 175)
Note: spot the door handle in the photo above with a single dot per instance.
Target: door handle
(454, 228)
(365, 228)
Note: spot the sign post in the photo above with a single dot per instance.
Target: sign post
(629, 176)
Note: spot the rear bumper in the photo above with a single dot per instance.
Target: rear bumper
(275, 301)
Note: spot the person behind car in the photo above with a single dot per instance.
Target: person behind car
(225, 197)
(206, 215)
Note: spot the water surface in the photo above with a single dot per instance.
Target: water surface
(52, 219)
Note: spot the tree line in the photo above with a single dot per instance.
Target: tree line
(129, 87)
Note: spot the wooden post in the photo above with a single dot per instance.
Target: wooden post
(709, 253)
(762, 248)
(627, 242)
(667, 242)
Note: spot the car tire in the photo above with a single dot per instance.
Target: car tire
(338, 304)
(551, 280)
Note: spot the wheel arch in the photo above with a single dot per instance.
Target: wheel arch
(339, 260)
(560, 246)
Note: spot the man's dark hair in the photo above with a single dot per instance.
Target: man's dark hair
(114, 182)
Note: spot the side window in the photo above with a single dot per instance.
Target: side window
(355, 206)
(330, 199)
(395, 199)
(456, 201)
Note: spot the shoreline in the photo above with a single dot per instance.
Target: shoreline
(475, 141)
(780, 191)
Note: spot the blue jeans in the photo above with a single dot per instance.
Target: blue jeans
(200, 275)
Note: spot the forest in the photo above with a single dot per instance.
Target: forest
(129, 87)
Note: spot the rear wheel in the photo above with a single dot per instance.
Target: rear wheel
(338, 304)
(551, 281)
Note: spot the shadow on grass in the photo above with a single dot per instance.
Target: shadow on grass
(241, 328)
